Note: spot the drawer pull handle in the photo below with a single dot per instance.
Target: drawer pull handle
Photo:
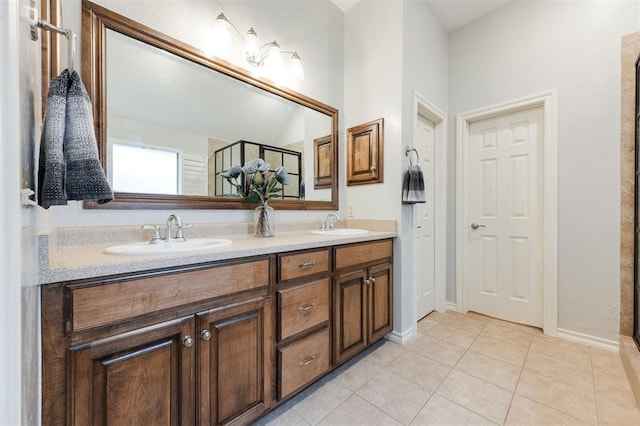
(305, 264)
(307, 362)
(303, 309)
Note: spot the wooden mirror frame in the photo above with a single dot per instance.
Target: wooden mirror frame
(50, 46)
(95, 21)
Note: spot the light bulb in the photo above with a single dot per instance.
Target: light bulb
(273, 63)
(221, 37)
(251, 48)
(295, 68)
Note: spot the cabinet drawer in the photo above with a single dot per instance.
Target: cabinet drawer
(363, 253)
(301, 264)
(89, 306)
(303, 361)
(303, 307)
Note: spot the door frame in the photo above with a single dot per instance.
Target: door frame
(439, 119)
(549, 209)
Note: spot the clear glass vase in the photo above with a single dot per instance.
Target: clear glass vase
(264, 221)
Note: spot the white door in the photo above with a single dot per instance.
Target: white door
(503, 276)
(424, 140)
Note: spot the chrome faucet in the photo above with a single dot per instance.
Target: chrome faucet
(327, 225)
(169, 237)
(173, 219)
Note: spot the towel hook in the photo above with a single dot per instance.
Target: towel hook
(36, 23)
(408, 151)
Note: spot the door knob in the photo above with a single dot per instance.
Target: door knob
(188, 341)
(476, 226)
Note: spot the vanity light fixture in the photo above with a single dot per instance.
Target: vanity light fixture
(268, 55)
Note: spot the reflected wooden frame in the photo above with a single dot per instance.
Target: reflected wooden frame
(322, 162)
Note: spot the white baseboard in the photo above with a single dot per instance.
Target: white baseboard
(452, 307)
(402, 338)
(586, 339)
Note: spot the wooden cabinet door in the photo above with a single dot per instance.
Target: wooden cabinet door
(143, 377)
(234, 363)
(365, 153)
(380, 301)
(350, 332)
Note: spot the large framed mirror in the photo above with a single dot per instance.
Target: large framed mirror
(169, 119)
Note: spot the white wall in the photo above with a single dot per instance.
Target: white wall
(313, 29)
(574, 47)
(392, 49)
(373, 89)
(19, 117)
(10, 330)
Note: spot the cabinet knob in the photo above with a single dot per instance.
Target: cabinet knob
(309, 361)
(367, 281)
(373, 280)
(205, 334)
(187, 341)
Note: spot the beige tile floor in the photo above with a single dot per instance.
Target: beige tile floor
(469, 370)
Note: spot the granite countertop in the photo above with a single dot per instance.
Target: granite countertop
(67, 254)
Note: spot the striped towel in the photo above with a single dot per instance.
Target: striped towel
(51, 165)
(68, 167)
(85, 178)
(413, 186)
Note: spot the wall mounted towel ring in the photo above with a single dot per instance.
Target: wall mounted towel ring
(36, 23)
(408, 151)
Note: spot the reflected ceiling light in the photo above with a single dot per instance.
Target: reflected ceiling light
(268, 54)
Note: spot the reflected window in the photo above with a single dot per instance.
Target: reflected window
(145, 169)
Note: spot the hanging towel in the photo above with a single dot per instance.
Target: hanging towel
(413, 186)
(51, 167)
(85, 178)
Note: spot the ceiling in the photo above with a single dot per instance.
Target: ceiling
(452, 14)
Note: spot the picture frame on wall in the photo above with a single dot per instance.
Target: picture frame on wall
(365, 153)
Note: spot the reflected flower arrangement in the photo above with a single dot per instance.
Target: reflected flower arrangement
(255, 182)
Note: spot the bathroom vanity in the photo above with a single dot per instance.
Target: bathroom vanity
(221, 340)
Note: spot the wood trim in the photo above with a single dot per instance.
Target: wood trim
(50, 47)
(95, 19)
(54, 346)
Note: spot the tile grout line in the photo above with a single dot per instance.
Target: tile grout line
(453, 368)
(595, 393)
(513, 395)
(434, 391)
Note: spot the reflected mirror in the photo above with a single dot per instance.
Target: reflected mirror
(169, 120)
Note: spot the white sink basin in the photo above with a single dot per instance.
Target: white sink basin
(146, 249)
(340, 232)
